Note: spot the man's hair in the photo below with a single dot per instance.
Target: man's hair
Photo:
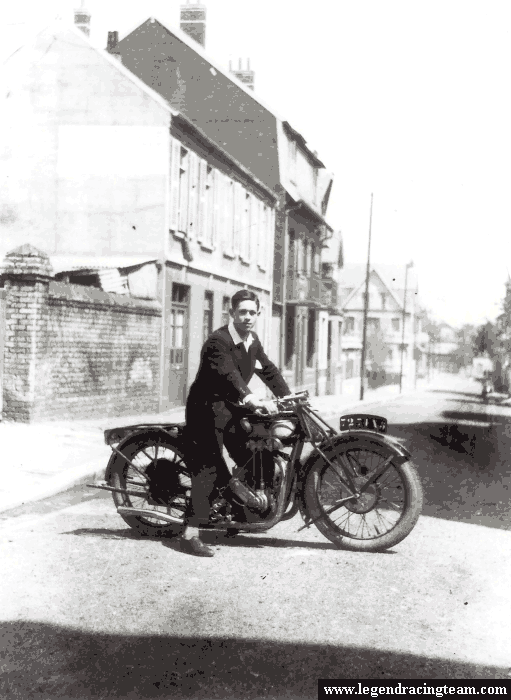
(244, 295)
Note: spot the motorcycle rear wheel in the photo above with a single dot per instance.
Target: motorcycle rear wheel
(378, 520)
(162, 456)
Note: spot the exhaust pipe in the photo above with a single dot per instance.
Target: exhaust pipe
(124, 510)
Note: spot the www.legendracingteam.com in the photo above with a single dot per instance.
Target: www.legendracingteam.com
(328, 688)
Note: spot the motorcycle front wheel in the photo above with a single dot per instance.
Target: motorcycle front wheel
(157, 480)
(387, 509)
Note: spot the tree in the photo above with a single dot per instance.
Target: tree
(486, 341)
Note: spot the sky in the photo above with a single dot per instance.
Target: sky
(407, 100)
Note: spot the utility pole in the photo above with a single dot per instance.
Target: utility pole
(408, 266)
(366, 307)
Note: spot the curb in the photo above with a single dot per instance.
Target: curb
(60, 484)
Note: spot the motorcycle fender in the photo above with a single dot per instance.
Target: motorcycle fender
(139, 434)
(351, 436)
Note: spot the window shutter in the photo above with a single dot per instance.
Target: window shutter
(203, 212)
(175, 156)
(238, 233)
(264, 239)
(254, 225)
(184, 173)
(219, 192)
(193, 192)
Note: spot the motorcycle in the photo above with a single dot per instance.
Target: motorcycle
(357, 485)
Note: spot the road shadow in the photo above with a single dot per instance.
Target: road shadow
(463, 463)
(44, 662)
(474, 394)
(213, 537)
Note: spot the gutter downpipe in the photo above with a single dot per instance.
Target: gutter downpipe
(283, 284)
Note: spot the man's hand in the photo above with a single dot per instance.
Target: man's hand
(259, 405)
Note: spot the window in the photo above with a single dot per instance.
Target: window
(183, 191)
(209, 211)
(311, 337)
(179, 294)
(230, 218)
(396, 324)
(373, 324)
(262, 229)
(207, 323)
(193, 195)
(178, 324)
(349, 326)
(244, 233)
(226, 305)
(383, 301)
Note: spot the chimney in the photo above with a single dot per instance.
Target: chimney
(112, 45)
(193, 21)
(82, 19)
(246, 76)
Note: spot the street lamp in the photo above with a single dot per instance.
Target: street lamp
(408, 266)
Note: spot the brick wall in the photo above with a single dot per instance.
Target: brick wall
(73, 350)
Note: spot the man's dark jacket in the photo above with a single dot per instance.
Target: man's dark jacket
(226, 369)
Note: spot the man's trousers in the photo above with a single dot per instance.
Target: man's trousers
(210, 426)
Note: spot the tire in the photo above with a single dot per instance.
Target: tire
(161, 461)
(379, 523)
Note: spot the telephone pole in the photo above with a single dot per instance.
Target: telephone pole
(408, 266)
(366, 307)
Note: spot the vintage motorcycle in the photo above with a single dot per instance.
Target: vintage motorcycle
(356, 485)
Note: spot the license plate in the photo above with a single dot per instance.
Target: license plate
(363, 421)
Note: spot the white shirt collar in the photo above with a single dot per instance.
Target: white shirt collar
(236, 337)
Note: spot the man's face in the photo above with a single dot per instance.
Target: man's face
(245, 315)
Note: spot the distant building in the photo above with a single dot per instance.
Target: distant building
(386, 315)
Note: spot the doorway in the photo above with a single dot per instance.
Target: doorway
(177, 335)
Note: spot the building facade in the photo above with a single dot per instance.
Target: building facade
(278, 156)
(128, 196)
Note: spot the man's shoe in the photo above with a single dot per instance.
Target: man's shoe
(196, 547)
(231, 532)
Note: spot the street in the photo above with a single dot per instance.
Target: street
(91, 610)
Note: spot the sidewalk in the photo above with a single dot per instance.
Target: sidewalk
(42, 459)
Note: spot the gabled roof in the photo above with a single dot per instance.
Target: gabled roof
(361, 286)
(228, 113)
(20, 42)
(392, 275)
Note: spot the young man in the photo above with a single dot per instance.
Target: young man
(229, 358)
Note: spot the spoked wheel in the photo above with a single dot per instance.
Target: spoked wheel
(157, 479)
(387, 508)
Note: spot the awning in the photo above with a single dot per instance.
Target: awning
(93, 263)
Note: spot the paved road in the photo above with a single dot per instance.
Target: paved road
(91, 611)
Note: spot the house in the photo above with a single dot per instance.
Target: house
(229, 113)
(391, 321)
(127, 196)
